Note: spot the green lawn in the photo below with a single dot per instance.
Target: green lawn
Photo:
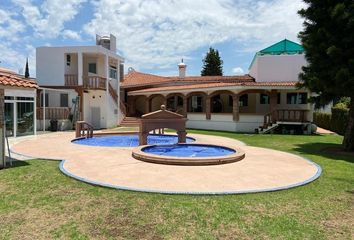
(38, 202)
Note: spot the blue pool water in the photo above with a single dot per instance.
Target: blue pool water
(189, 150)
(128, 140)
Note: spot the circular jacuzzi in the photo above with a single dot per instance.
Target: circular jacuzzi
(128, 140)
(188, 154)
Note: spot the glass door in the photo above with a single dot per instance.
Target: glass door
(25, 124)
(9, 119)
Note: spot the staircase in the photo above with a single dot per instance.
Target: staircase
(130, 121)
(270, 123)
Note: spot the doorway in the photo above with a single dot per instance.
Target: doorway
(96, 117)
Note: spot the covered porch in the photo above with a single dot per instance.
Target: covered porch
(238, 109)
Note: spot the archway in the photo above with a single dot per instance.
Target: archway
(221, 102)
(175, 102)
(196, 102)
(155, 102)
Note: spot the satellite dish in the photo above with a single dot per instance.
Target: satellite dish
(130, 69)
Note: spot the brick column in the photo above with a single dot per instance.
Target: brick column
(235, 107)
(208, 107)
(273, 104)
(131, 106)
(185, 104)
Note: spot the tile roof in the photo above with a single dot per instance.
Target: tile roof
(10, 78)
(134, 79)
(214, 85)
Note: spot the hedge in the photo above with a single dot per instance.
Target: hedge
(335, 122)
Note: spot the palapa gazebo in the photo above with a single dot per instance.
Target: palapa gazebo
(162, 119)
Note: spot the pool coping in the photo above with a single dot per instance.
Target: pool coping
(139, 154)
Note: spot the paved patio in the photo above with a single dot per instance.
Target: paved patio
(261, 170)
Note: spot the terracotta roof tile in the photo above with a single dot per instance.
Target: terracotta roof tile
(213, 85)
(134, 79)
(10, 78)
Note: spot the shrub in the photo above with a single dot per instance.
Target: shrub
(339, 119)
(322, 120)
(335, 122)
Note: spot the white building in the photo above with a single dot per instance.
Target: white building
(86, 79)
(265, 99)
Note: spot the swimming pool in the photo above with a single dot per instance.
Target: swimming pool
(189, 150)
(131, 140)
(188, 154)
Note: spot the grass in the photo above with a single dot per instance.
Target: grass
(38, 202)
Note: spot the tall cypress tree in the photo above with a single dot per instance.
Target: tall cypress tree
(212, 63)
(328, 39)
(27, 70)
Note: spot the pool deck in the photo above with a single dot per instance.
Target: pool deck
(261, 170)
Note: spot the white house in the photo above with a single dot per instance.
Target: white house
(81, 82)
(19, 103)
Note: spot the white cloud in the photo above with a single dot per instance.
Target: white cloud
(152, 34)
(237, 71)
(9, 26)
(48, 19)
(69, 34)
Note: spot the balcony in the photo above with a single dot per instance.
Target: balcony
(53, 113)
(89, 82)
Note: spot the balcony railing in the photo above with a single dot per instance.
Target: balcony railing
(94, 82)
(53, 113)
(71, 80)
(89, 82)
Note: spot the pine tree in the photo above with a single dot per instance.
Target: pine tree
(212, 64)
(27, 70)
(328, 39)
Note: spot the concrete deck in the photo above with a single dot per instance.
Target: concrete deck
(261, 170)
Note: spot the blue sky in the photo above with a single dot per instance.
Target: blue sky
(151, 35)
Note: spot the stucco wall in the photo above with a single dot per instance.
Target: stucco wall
(95, 99)
(50, 66)
(277, 68)
(224, 122)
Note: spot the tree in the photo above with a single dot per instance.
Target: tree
(212, 63)
(328, 40)
(27, 70)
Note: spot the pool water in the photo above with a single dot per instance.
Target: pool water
(131, 140)
(189, 150)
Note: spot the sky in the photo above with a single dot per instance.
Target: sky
(152, 35)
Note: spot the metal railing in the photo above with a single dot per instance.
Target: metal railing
(83, 129)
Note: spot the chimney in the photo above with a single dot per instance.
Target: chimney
(182, 69)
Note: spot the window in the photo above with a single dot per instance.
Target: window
(302, 98)
(243, 101)
(46, 100)
(278, 98)
(113, 72)
(196, 104)
(64, 100)
(92, 68)
(264, 99)
(25, 98)
(68, 60)
(296, 98)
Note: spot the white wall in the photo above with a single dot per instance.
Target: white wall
(224, 122)
(277, 68)
(95, 99)
(50, 66)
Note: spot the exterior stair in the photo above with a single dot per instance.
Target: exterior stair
(267, 128)
(130, 121)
